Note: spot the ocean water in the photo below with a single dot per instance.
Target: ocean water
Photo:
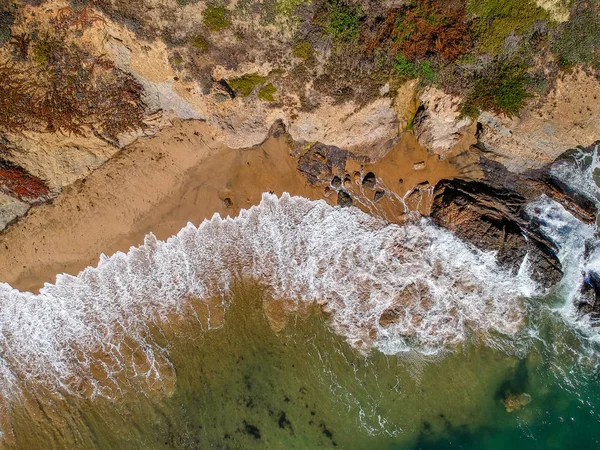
(301, 325)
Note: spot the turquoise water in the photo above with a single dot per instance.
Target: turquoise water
(297, 326)
(245, 385)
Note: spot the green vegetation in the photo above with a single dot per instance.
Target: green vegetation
(216, 18)
(495, 20)
(177, 60)
(406, 69)
(302, 50)
(44, 49)
(287, 7)
(246, 83)
(500, 89)
(578, 40)
(343, 21)
(199, 42)
(267, 93)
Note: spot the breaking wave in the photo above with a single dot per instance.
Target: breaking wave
(578, 243)
(396, 288)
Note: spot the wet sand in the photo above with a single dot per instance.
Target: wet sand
(160, 184)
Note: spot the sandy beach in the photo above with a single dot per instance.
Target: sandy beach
(181, 175)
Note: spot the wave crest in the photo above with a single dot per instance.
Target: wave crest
(397, 288)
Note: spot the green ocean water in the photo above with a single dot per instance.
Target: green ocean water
(245, 386)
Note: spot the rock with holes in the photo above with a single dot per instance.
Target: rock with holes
(321, 162)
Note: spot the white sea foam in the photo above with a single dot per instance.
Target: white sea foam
(441, 290)
(578, 173)
(578, 243)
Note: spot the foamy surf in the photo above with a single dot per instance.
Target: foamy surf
(432, 290)
(578, 243)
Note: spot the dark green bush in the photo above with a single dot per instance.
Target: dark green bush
(501, 88)
(302, 50)
(199, 42)
(246, 83)
(267, 93)
(216, 18)
(343, 21)
(406, 69)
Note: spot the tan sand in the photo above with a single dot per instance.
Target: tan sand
(160, 184)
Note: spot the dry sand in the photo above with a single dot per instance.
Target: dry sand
(160, 184)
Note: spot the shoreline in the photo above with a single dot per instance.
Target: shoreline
(160, 184)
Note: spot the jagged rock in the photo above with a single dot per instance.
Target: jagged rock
(577, 201)
(590, 297)
(493, 219)
(439, 125)
(514, 402)
(320, 162)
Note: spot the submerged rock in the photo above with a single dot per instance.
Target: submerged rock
(514, 402)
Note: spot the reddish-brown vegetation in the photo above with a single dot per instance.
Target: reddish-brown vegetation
(68, 90)
(431, 29)
(79, 19)
(15, 181)
(421, 30)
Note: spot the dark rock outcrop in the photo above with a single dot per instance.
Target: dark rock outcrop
(576, 202)
(320, 162)
(490, 214)
(344, 199)
(589, 303)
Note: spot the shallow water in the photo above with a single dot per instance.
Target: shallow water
(246, 386)
(300, 325)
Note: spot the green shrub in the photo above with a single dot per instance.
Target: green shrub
(406, 69)
(302, 50)
(287, 7)
(494, 20)
(43, 50)
(267, 93)
(198, 41)
(502, 89)
(343, 21)
(578, 40)
(246, 83)
(177, 61)
(216, 18)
